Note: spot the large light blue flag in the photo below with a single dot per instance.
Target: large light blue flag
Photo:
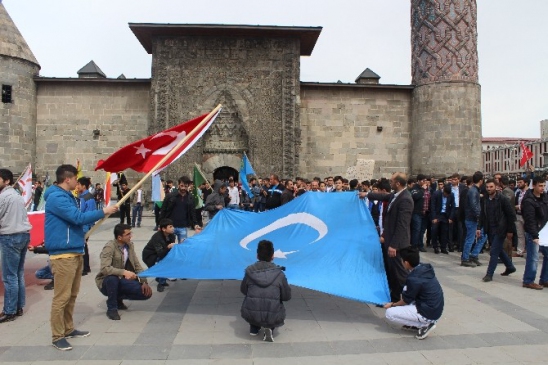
(245, 170)
(327, 242)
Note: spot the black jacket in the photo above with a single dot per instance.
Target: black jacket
(534, 212)
(169, 203)
(156, 249)
(265, 288)
(505, 215)
(423, 288)
(274, 197)
(417, 193)
(287, 196)
(436, 204)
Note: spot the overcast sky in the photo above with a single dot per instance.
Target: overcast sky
(64, 35)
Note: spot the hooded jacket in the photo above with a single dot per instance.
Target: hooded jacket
(63, 229)
(423, 288)
(265, 288)
(534, 212)
(214, 199)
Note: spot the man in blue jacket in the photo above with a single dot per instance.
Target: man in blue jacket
(86, 202)
(421, 303)
(64, 240)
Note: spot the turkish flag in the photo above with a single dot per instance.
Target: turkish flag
(144, 154)
(526, 154)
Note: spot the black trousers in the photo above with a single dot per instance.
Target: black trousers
(125, 213)
(440, 235)
(396, 274)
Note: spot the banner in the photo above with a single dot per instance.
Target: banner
(327, 242)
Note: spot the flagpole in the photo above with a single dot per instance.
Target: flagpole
(157, 166)
(20, 176)
(201, 173)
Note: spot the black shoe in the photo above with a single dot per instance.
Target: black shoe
(160, 288)
(508, 271)
(445, 252)
(113, 314)
(84, 273)
(422, 249)
(165, 284)
(49, 286)
(475, 260)
(62, 344)
(451, 250)
(139, 225)
(436, 251)
(410, 328)
(19, 312)
(7, 317)
(422, 333)
(467, 263)
(133, 226)
(487, 279)
(121, 305)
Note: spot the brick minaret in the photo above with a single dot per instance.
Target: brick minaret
(446, 108)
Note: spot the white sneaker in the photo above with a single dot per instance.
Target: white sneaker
(268, 337)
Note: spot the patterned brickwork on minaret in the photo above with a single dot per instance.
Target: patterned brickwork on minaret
(446, 103)
(444, 40)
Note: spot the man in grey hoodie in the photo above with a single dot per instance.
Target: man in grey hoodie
(215, 201)
(265, 288)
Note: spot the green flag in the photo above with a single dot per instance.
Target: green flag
(199, 179)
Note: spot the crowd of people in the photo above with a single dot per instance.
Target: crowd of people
(467, 214)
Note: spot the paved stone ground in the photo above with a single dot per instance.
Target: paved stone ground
(198, 322)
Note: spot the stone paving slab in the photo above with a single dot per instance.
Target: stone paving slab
(198, 322)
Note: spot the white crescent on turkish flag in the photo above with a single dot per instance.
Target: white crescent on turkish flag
(143, 155)
(26, 186)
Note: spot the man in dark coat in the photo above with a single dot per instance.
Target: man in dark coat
(159, 246)
(265, 288)
(442, 209)
(179, 206)
(396, 231)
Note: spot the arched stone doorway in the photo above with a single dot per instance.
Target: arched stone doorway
(224, 172)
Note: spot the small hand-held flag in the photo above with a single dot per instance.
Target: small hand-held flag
(145, 154)
(526, 154)
(199, 179)
(245, 170)
(25, 183)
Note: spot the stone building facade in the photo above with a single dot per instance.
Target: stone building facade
(363, 130)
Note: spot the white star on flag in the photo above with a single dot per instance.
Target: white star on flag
(141, 150)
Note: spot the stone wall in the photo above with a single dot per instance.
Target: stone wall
(69, 112)
(446, 129)
(17, 119)
(257, 81)
(339, 131)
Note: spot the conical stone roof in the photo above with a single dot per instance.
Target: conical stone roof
(12, 43)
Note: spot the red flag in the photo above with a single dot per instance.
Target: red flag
(526, 154)
(36, 219)
(144, 154)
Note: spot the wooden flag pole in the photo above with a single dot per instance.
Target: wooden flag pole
(20, 176)
(157, 166)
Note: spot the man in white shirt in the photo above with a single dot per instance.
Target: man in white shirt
(233, 194)
(138, 204)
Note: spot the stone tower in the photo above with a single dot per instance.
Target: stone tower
(446, 114)
(18, 66)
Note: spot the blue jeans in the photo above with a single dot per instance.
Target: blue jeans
(531, 261)
(181, 234)
(14, 249)
(416, 230)
(496, 252)
(117, 289)
(44, 273)
(137, 214)
(471, 228)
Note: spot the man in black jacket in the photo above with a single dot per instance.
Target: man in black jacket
(534, 209)
(422, 301)
(417, 190)
(396, 230)
(498, 219)
(158, 247)
(265, 288)
(179, 207)
(274, 193)
(442, 210)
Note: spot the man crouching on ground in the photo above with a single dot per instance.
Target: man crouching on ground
(421, 304)
(265, 288)
(118, 278)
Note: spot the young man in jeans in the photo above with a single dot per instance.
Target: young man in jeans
(472, 213)
(534, 209)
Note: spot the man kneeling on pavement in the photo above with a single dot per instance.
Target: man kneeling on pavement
(118, 278)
